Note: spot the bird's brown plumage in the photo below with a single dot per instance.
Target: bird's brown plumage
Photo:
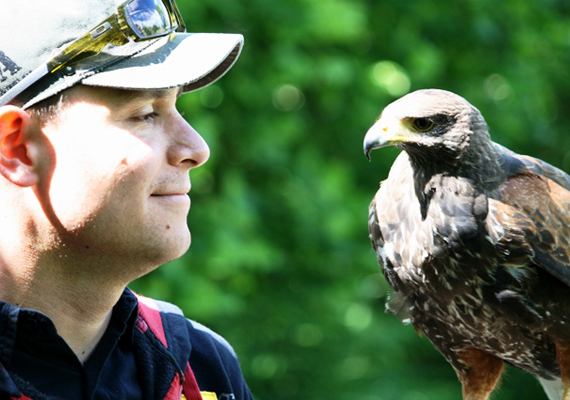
(475, 241)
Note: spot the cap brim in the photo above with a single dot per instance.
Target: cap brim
(188, 60)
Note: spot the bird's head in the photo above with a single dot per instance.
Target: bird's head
(432, 126)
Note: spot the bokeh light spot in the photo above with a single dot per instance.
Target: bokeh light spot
(391, 77)
(358, 317)
(308, 335)
(288, 98)
(497, 87)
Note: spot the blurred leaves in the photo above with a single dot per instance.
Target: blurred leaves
(280, 262)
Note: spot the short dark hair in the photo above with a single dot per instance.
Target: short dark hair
(46, 109)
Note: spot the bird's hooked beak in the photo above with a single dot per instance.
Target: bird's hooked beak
(388, 133)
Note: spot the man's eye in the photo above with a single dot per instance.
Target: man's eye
(146, 117)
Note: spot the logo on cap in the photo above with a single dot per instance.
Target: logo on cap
(7, 65)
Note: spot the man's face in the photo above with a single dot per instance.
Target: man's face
(121, 176)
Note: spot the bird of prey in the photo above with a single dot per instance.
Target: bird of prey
(474, 240)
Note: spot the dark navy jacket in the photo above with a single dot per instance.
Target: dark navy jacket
(127, 364)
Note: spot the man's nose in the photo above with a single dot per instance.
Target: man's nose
(188, 148)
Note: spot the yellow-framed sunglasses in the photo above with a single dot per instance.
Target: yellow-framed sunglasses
(134, 20)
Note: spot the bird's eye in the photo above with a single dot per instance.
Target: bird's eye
(422, 124)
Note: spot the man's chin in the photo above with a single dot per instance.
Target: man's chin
(180, 243)
(171, 244)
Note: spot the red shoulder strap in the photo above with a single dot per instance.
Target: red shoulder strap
(190, 386)
(150, 313)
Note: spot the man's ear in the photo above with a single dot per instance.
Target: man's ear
(18, 139)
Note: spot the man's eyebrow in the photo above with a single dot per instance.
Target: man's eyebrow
(126, 96)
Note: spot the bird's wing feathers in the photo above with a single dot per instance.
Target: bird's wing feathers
(530, 218)
(518, 164)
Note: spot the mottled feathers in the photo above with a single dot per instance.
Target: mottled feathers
(474, 240)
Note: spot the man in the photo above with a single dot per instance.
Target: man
(94, 162)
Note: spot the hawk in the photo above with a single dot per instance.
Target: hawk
(474, 240)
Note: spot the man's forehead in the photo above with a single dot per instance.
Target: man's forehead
(119, 96)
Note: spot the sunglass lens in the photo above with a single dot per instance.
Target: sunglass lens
(148, 17)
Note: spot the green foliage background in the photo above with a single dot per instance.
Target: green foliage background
(281, 263)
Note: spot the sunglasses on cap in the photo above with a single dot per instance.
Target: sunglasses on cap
(134, 20)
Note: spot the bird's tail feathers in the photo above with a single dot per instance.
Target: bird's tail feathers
(399, 306)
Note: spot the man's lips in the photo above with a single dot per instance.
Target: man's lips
(169, 194)
(172, 191)
(178, 191)
(173, 197)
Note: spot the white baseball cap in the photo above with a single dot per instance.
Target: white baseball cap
(49, 46)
